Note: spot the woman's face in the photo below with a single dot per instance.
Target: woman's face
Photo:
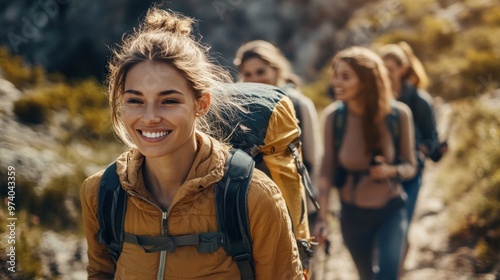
(394, 70)
(346, 83)
(256, 70)
(160, 110)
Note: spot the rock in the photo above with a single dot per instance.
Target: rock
(9, 94)
(63, 256)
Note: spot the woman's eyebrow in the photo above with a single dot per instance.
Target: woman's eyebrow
(161, 93)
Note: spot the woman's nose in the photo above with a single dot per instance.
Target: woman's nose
(151, 114)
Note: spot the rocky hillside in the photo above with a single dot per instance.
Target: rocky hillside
(48, 173)
(73, 36)
(456, 39)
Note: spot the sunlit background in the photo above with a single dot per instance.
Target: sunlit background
(54, 127)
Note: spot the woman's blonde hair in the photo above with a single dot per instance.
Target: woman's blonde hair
(271, 55)
(375, 93)
(403, 55)
(165, 36)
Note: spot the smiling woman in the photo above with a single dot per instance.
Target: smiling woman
(368, 151)
(164, 96)
(160, 117)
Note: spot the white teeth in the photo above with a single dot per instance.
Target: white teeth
(154, 134)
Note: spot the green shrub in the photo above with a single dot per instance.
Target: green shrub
(84, 101)
(59, 203)
(30, 264)
(31, 111)
(96, 123)
(15, 70)
(470, 180)
(436, 35)
(491, 17)
(413, 11)
(318, 90)
(482, 73)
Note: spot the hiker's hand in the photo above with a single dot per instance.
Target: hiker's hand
(443, 148)
(320, 232)
(381, 170)
(424, 149)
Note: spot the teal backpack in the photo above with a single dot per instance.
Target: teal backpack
(232, 217)
(340, 120)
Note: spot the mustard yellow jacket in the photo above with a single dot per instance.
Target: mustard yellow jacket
(192, 211)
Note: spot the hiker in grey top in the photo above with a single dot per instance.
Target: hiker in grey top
(262, 62)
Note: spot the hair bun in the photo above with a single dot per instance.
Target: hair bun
(167, 21)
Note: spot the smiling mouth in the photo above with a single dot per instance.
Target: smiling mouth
(154, 135)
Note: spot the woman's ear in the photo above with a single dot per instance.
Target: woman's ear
(203, 104)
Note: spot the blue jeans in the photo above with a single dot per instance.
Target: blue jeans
(375, 232)
(412, 187)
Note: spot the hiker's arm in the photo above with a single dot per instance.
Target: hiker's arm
(326, 172)
(275, 251)
(312, 143)
(407, 165)
(101, 265)
(426, 121)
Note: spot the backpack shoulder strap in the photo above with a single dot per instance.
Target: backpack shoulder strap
(304, 174)
(298, 111)
(393, 123)
(232, 210)
(339, 123)
(112, 204)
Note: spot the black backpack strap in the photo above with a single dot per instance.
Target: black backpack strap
(393, 123)
(232, 210)
(112, 205)
(339, 124)
(304, 174)
(340, 120)
(206, 242)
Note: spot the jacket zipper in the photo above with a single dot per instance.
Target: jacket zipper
(163, 254)
(164, 217)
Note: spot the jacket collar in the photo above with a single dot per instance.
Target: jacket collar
(207, 169)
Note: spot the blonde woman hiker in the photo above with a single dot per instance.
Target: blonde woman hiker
(261, 62)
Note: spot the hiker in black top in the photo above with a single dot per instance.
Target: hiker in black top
(409, 80)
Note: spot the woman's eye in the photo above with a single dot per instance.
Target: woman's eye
(134, 101)
(170, 101)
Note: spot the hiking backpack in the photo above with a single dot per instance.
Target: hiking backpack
(231, 208)
(269, 132)
(339, 125)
